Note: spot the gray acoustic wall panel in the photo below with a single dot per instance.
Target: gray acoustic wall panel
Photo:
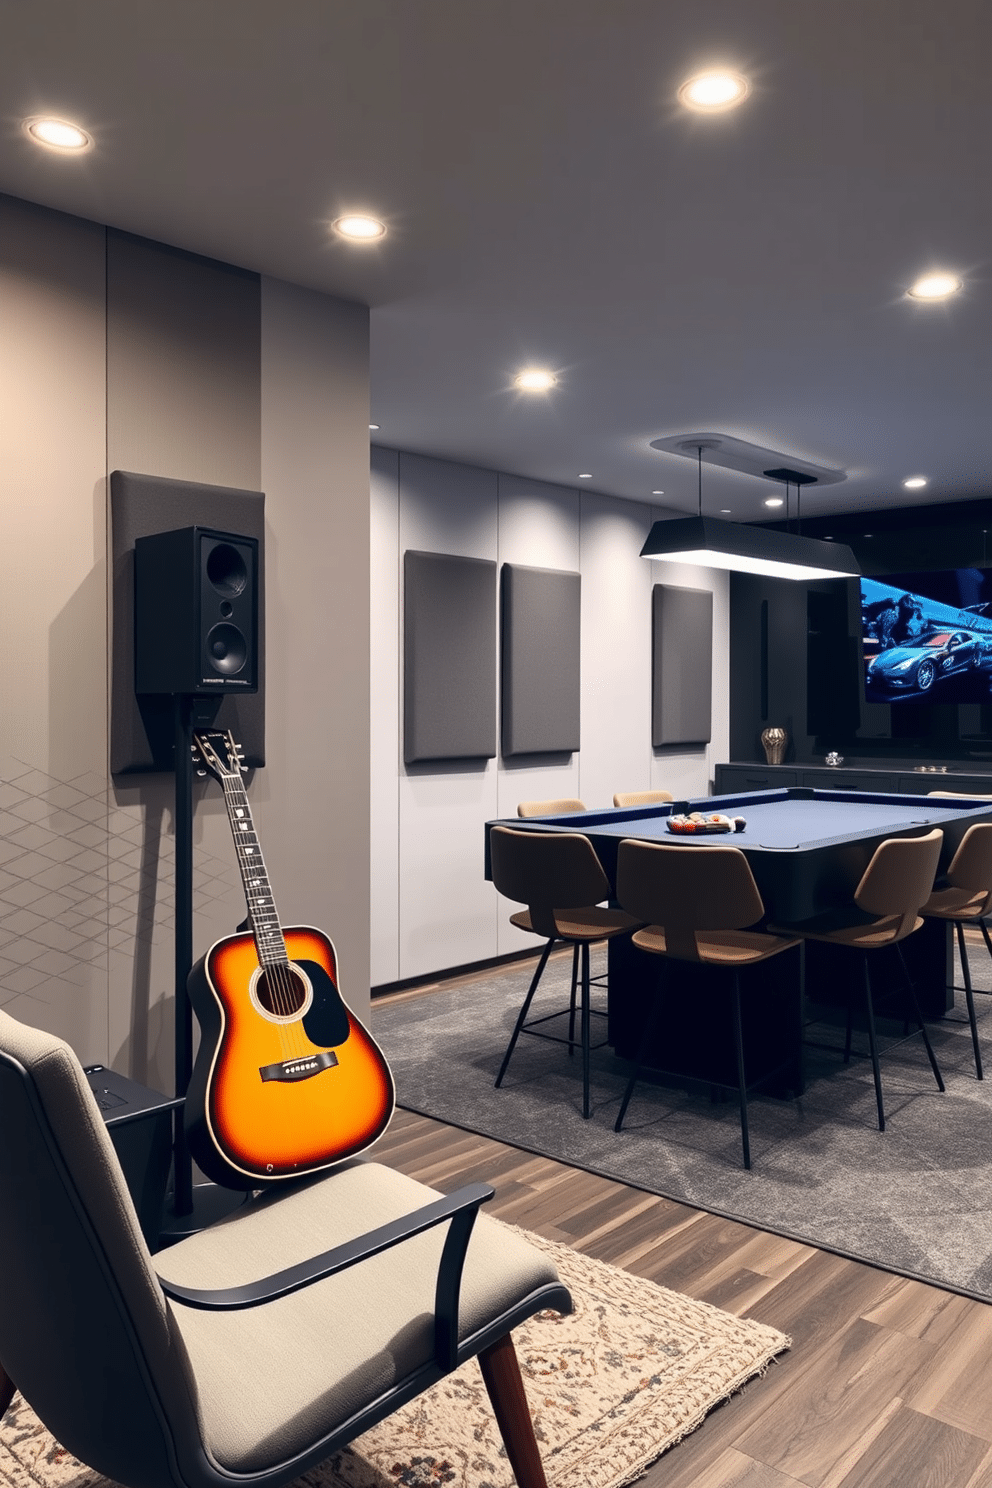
(682, 665)
(183, 364)
(540, 660)
(449, 657)
(141, 728)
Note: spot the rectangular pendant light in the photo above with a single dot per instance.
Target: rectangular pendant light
(778, 555)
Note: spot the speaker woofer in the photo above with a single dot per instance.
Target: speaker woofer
(226, 569)
(226, 648)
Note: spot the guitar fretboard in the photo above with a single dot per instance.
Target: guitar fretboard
(269, 940)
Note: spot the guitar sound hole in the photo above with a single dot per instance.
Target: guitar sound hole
(281, 991)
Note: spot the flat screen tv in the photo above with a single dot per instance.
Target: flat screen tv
(927, 637)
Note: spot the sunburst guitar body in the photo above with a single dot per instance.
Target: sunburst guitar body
(280, 1090)
(287, 1081)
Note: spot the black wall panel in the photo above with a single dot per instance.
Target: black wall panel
(449, 657)
(682, 665)
(141, 728)
(540, 660)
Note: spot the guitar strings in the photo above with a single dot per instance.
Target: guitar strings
(278, 976)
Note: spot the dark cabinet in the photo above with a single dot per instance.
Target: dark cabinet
(730, 778)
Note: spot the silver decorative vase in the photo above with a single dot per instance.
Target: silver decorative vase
(774, 741)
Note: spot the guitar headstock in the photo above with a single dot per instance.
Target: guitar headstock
(216, 752)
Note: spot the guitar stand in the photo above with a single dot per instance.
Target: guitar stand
(192, 1208)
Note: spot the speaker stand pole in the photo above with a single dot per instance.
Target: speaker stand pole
(192, 1208)
(183, 1166)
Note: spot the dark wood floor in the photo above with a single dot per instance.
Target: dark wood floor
(888, 1383)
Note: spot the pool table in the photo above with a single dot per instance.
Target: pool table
(807, 849)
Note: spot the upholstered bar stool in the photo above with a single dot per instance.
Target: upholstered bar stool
(699, 902)
(887, 907)
(558, 876)
(641, 798)
(560, 807)
(964, 897)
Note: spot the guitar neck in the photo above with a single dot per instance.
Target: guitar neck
(269, 940)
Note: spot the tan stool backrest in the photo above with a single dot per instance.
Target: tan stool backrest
(971, 865)
(641, 798)
(550, 808)
(685, 889)
(547, 871)
(899, 878)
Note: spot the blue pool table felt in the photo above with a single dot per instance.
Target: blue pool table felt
(775, 820)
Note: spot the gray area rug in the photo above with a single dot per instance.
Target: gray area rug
(915, 1198)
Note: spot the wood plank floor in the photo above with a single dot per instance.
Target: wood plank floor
(888, 1381)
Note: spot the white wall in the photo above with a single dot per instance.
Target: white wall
(432, 908)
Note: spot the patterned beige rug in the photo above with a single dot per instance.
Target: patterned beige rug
(628, 1374)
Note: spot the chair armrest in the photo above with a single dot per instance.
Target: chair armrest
(461, 1208)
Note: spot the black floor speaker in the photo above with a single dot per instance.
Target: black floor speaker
(196, 612)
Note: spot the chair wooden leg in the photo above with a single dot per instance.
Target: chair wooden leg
(741, 1085)
(969, 998)
(873, 1046)
(523, 1012)
(501, 1373)
(7, 1388)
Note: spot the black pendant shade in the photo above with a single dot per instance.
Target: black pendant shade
(711, 543)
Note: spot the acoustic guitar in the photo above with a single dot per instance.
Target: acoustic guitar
(287, 1081)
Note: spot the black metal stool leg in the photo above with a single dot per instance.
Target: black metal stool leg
(523, 1012)
(847, 1037)
(741, 1084)
(969, 998)
(919, 1018)
(873, 1046)
(985, 932)
(571, 1000)
(647, 1034)
(585, 1028)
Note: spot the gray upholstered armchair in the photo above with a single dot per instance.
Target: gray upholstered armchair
(251, 1351)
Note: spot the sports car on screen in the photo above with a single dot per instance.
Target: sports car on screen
(917, 667)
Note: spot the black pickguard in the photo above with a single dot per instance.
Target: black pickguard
(326, 1021)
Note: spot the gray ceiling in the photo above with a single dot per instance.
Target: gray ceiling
(549, 201)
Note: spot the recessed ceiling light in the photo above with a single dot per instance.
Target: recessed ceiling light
(57, 134)
(915, 482)
(373, 426)
(585, 475)
(774, 501)
(712, 91)
(535, 380)
(360, 229)
(935, 287)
